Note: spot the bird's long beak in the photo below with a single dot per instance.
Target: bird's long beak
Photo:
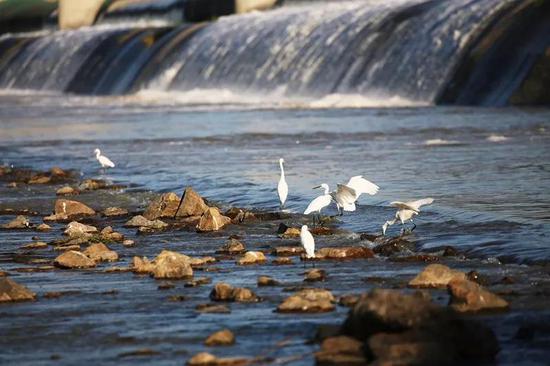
(316, 187)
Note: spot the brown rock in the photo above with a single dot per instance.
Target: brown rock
(267, 281)
(291, 232)
(340, 350)
(39, 179)
(92, 185)
(198, 282)
(321, 230)
(115, 211)
(436, 276)
(212, 220)
(20, 222)
(468, 296)
(12, 185)
(222, 292)
(232, 247)
(349, 300)
(3, 273)
(344, 253)
(99, 252)
(74, 247)
(43, 227)
(392, 246)
(73, 259)
(308, 301)
(67, 190)
(172, 265)
(238, 215)
(202, 359)
(56, 217)
(128, 243)
(242, 294)
(142, 222)
(72, 209)
(35, 245)
(142, 265)
(213, 309)
(201, 261)
(108, 234)
(192, 204)
(252, 258)
(286, 251)
(282, 261)
(315, 274)
(75, 230)
(163, 206)
(223, 337)
(12, 291)
(58, 172)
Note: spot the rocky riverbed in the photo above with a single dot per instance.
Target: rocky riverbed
(92, 271)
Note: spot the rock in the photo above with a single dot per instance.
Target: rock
(201, 261)
(213, 309)
(35, 245)
(67, 190)
(212, 220)
(222, 292)
(291, 232)
(238, 215)
(39, 179)
(252, 258)
(206, 359)
(12, 185)
(43, 227)
(92, 185)
(392, 246)
(232, 247)
(282, 261)
(166, 286)
(72, 209)
(117, 269)
(322, 230)
(315, 274)
(58, 248)
(344, 253)
(286, 251)
(20, 222)
(198, 282)
(3, 273)
(436, 276)
(340, 350)
(223, 337)
(75, 230)
(99, 252)
(450, 251)
(142, 265)
(73, 259)
(55, 217)
(128, 243)
(163, 206)
(172, 265)
(108, 234)
(202, 359)
(308, 301)
(426, 258)
(267, 281)
(242, 294)
(114, 211)
(58, 172)
(192, 204)
(12, 291)
(349, 300)
(468, 296)
(142, 222)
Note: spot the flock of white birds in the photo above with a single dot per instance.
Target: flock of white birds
(344, 197)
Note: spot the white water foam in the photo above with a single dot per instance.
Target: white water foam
(497, 138)
(439, 142)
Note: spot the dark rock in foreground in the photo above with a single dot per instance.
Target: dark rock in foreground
(468, 296)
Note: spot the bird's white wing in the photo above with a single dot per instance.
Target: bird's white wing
(419, 203)
(361, 185)
(282, 189)
(403, 206)
(105, 161)
(318, 203)
(308, 243)
(344, 195)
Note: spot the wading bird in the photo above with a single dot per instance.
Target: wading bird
(282, 187)
(346, 194)
(405, 212)
(103, 160)
(307, 242)
(319, 203)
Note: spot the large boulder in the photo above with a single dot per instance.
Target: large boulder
(468, 296)
(192, 204)
(71, 209)
(436, 276)
(212, 220)
(99, 252)
(172, 265)
(73, 259)
(164, 206)
(314, 300)
(12, 291)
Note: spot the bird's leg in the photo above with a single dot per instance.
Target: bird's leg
(414, 226)
(179, 205)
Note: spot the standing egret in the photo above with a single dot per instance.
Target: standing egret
(103, 160)
(282, 187)
(346, 194)
(308, 243)
(406, 211)
(319, 203)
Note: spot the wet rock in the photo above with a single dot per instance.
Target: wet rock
(340, 350)
(58, 172)
(468, 296)
(436, 276)
(92, 185)
(12, 291)
(213, 309)
(349, 300)
(392, 246)
(12, 185)
(35, 245)
(425, 258)
(3, 273)
(20, 222)
(59, 248)
(99, 252)
(344, 253)
(225, 292)
(315, 274)
(172, 265)
(202, 359)
(192, 204)
(108, 234)
(322, 230)
(201, 261)
(223, 337)
(232, 247)
(114, 211)
(65, 191)
(212, 220)
(251, 258)
(238, 215)
(142, 265)
(39, 179)
(43, 227)
(267, 281)
(73, 259)
(199, 282)
(166, 286)
(282, 261)
(308, 301)
(71, 209)
(176, 298)
(290, 233)
(281, 229)
(450, 251)
(142, 222)
(163, 206)
(242, 294)
(205, 359)
(117, 269)
(75, 230)
(286, 251)
(128, 243)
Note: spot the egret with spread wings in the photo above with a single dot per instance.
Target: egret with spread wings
(406, 211)
(347, 194)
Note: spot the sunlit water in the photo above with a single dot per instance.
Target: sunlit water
(487, 169)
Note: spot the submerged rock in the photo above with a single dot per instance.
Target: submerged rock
(282, 261)
(20, 222)
(340, 350)
(267, 281)
(344, 253)
(192, 204)
(70, 209)
(212, 220)
(99, 252)
(394, 245)
(75, 230)
(74, 259)
(468, 296)
(35, 245)
(287, 251)
(12, 291)
(251, 257)
(108, 234)
(39, 179)
(232, 247)
(313, 300)
(114, 211)
(223, 337)
(436, 276)
(162, 207)
(225, 292)
(92, 185)
(43, 227)
(213, 308)
(315, 274)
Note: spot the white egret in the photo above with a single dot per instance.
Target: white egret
(319, 203)
(406, 211)
(308, 243)
(103, 160)
(347, 194)
(282, 187)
